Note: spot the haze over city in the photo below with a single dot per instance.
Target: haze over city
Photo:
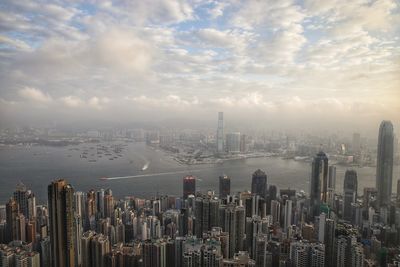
(267, 64)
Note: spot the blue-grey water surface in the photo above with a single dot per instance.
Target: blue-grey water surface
(37, 166)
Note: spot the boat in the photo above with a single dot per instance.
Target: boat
(103, 178)
(145, 167)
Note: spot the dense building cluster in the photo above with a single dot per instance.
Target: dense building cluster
(264, 227)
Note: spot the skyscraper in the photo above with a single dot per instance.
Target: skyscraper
(11, 219)
(100, 202)
(330, 228)
(356, 143)
(21, 196)
(317, 255)
(90, 209)
(349, 192)
(224, 186)
(243, 143)
(86, 248)
(233, 142)
(240, 214)
(61, 223)
(398, 193)
(228, 222)
(287, 215)
(318, 190)
(220, 133)
(331, 185)
(384, 163)
(189, 186)
(259, 183)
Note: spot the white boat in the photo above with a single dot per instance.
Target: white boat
(145, 166)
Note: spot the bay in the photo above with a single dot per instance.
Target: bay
(37, 166)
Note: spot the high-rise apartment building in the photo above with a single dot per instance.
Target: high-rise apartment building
(331, 185)
(259, 183)
(61, 223)
(189, 186)
(349, 193)
(224, 186)
(12, 212)
(21, 196)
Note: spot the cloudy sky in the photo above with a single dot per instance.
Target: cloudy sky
(280, 63)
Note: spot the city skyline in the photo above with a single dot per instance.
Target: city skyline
(300, 63)
(199, 133)
(262, 227)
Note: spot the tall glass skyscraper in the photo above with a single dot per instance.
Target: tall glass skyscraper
(220, 133)
(384, 163)
(319, 187)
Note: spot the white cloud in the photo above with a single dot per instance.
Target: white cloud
(72, 101)
(268, 13)
(98, 102)
(34, 94)
(194, 57)
(121, 49)
(218, 9)
(283, 45)
(370, 15)
(151, 11)
(18, 44)
(238, 40)
(170, 101)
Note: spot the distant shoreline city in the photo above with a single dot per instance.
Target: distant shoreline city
(198, 147)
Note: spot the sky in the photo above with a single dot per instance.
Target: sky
(285, 64)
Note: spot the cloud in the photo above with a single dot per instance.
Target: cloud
(218, 9)
(369, 15)
(283, 46)
(14, 43)
(238, 40)
(152, 11)
(72, 101)
(268, 13)
(34, 94)
(122, 59)
(98, 102)
(174, 102)
(123, 50)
